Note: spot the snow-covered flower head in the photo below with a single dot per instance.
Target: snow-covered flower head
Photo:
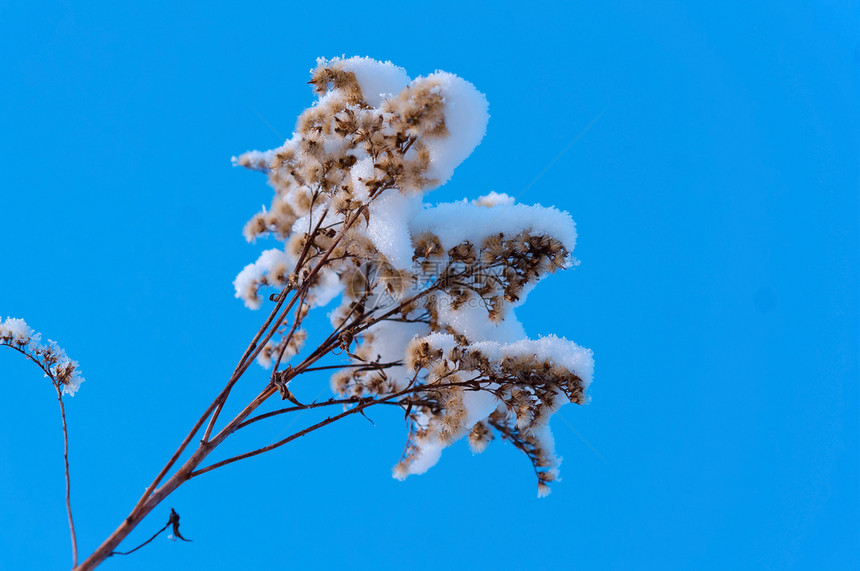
(427, 292)
(50, 357)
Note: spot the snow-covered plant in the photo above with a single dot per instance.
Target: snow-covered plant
(427, 293)
(64, 376)
(50, 357)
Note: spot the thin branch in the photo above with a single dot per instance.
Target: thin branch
(285, 342)
(298, 294)
(222, 398)
(361, 405)
(254, 347)
(68, 478)
(57, 387)
(225, 391)
(360, 366)
(249, 355)
(280, 443)
(157, 533)
(37, 362)
(330, 402)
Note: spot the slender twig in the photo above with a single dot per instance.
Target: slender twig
(249, 355)
(222, 398)
(285, 342)
(296, 293)
(330, 402)
(361, 366)
(157, 533)
(261, 342)
(255, 347)
(280, 443)
(57, 387)
(361, 405)
(68, 478)
(197, 425)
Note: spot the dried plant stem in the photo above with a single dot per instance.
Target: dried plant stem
(188, 470)
(256, 345)
(290, 438)
(221, 399)
(68, 479)
(145, 543)
(291, 299)
(170, 485)
(218, 402)
(331, 402)
(155, 494)
(58, 388)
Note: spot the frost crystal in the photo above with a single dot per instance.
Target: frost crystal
(50, 357)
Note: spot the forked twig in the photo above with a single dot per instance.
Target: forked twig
(173, 521)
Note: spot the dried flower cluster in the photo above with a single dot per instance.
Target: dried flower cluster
(50, 357)
(427, 292)
(528, 381)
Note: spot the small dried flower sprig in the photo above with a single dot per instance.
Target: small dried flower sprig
(50, 357)
(64, 375)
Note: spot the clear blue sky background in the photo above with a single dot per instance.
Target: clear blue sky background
(717, 203)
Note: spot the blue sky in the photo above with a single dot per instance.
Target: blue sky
(716, 198)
